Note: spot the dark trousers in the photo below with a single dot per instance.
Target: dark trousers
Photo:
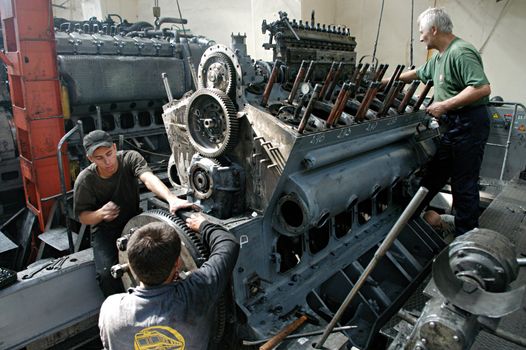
(459, 157)
(105, 255)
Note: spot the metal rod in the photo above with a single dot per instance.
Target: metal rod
(342, 104)
(389, 99)
(334, 81)
(298, 335)
(393, 78)
(422, 96)
(99, 117)
(167, 87)
(521, 261)
(297, 81)
(337, 103)
(378, 72)
(508, 142)
(512, 338)
(328, 78)
(270, 84)
(367, 99)
(360, 76)
(309, 71)
(63, 199)
(380, 252)
(309, 107)
(408, 95)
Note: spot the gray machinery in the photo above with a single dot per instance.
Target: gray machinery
(309, 163)
(470, 290)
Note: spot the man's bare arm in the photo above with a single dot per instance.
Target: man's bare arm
(154, 184)
(465, 97)
(108, 212)
(406, 77)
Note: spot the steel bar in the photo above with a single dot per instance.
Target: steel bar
(328, 79)
(270, 84)
(298, 335)
(297, 81)
(360, 76)
(308, 109)
(343, 103)
(408, 95)
(423, 95)
(393, 78)
(367, 99)
(389, 99)
(337, 103)
(334, 81)
(167, 87)
(309, 71)
(380, 252)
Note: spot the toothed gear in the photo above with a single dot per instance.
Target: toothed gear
(218, 72)
(211, 122)
(201, 181)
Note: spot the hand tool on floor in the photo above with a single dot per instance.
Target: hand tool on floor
(291, 327)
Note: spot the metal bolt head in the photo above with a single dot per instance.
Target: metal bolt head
(432, 324)
(456, 338)
(423, 340)
(122, 243)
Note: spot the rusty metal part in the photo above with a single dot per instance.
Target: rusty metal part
(328, 79)
(394, 77)
(423, 95)
(270, 83)
(337, 103)
(367, 99)
(357, 70)
(408, 96)
(282, 334)
(347, 89)
(361, 74)
(308, 109)
(298, 335)
(390, 98)
(378, 74)
(297, 81)
(334, 81)
(309, 71)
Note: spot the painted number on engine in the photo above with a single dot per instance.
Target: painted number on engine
(317, 139)
(345, 132)
(371, 126)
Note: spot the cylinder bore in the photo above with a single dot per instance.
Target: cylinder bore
(292, 213)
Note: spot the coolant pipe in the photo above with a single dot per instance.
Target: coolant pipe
(389, 99)
(308, 109)
(334, 81)
(309, 72)
(360, 76)
(328, 79)
(335, 153)
(393, 78)
(270, 84)
(408, 96)
(297, 81)
(367, 99)
(377, 76)
(423, 95)
(378, 255)
(337, 103)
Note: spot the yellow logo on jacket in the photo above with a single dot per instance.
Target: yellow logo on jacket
(159, 338)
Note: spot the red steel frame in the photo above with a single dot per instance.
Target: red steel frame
(31, 59)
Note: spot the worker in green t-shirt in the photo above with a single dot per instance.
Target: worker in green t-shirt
(460, 102)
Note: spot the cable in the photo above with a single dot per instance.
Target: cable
(378, 31)
(494, 26)
(412, 34)
(146, 151)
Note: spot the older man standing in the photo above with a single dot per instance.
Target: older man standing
(460, 102)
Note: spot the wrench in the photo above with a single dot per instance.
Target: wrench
(33, 273)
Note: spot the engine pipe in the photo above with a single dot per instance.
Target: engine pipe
(297, 81)
(328, 79)
(368, 98)
(337, 103)
(308, 109)
(423, 95)
(334, 81)
(389, 99)
(270, 84)
(408, 96)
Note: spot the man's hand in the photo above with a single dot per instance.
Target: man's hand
(195, 221)
(177, 203)
(437, 109)
(109, 211)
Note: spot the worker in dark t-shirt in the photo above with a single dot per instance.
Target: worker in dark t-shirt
(106, 196)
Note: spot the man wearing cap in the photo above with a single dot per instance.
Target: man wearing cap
(106, 196)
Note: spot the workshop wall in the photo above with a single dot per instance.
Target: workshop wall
(494, 27)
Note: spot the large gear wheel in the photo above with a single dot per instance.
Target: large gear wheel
(193, 252)
(211, 122)
(217, 72)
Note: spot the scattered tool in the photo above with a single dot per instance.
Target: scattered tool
(291, 327)
(37, 270)
(298, 335)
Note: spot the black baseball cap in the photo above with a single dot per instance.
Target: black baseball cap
(96, 139)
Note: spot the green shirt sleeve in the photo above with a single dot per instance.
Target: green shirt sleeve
(469, 69)
(425, 72)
